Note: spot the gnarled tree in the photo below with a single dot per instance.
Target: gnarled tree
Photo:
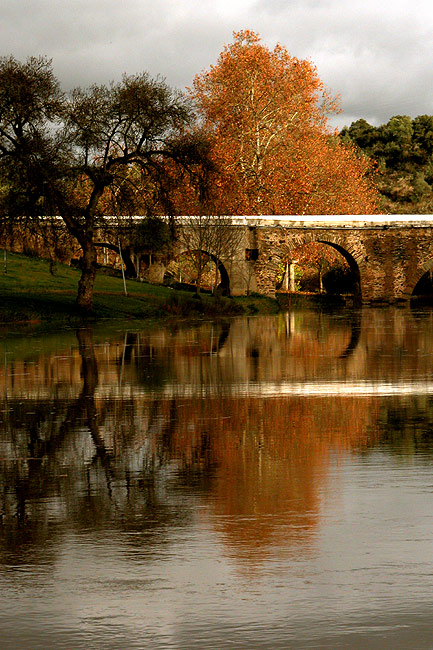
(67, 155)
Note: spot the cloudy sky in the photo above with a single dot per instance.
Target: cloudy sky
(377, 55)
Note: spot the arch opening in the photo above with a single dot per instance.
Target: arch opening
(423, 290)
(197, 270)
(319, 267)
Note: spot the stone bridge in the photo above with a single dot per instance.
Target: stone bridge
(388, 254)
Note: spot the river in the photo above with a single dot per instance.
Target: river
(253, 483)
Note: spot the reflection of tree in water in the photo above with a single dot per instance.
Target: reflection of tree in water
(151, 433)
(259, 465)
(90, 462)
(60, 470)
(268, 463)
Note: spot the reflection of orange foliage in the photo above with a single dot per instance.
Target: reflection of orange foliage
(272, 457)
(265, 461)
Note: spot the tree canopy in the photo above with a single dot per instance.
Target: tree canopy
(98, 150)
(267, 113)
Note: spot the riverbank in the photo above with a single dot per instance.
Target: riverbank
(32, 292)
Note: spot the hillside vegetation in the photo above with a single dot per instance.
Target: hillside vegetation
(403, 150)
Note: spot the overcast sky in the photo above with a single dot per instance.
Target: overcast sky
(377, 55)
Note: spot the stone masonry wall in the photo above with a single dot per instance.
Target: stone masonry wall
(390, 260)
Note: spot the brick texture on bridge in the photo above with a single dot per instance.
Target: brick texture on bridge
(389, 259)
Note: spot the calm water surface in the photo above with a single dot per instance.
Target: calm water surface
(255, 483)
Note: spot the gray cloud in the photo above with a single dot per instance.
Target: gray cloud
(377, 57)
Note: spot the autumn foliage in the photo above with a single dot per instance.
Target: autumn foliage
(274, 150)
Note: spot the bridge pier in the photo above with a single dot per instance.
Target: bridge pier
(155, 273)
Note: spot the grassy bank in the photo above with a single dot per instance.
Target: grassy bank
(30, 293)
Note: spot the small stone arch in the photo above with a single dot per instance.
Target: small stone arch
(353, 264)
(224, 285)
(419, 277)
(282, 252)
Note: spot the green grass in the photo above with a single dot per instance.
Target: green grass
(29, 293)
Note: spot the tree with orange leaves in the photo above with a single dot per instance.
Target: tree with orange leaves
(267, 112)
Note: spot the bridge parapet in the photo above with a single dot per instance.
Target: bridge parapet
(345, 221)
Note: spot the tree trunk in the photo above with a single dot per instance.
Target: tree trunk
(87, 279)
(126, 253)
(130, 269)
(198, 285)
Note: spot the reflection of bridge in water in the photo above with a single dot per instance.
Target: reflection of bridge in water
(373, 351)
(245, 414)
(262, 389)
(304, 389)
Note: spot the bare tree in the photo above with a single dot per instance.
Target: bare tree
(209, 239)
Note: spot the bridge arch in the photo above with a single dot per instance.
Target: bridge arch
(224, 278)
(286, 246)
(353, 264)
(422, 281)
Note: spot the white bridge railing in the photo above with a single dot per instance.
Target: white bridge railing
(320, 220)
(288, 220)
